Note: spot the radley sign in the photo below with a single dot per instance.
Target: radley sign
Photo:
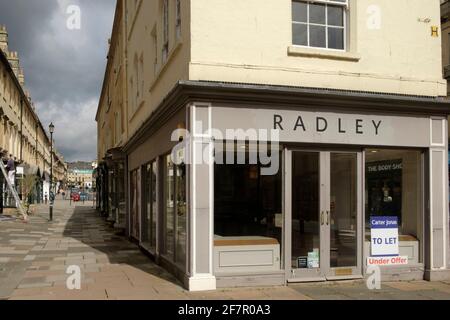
(344, 128)
(322, 125)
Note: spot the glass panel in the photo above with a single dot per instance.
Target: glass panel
(146, 216)
(134, 206)
(121, 194)
(335, 16)
(317, 36)
(305, 210)
(394, 188)
(300, 34)
(154, 205)
(344, 214)
(299, 11)
(317, 13)
(336, 38)
(169, 213)
(181, 215)
(248, 204)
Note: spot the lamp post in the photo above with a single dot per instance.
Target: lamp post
(51, 129)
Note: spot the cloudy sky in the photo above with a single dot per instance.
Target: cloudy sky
(63, 68)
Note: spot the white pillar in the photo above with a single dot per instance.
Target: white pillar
(201, 230)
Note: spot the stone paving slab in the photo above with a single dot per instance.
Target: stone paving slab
(34, 258)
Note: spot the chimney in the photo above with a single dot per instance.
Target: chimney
(3, 39)
(13, 58)
(21, 77)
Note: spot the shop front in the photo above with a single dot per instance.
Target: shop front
(279, 185)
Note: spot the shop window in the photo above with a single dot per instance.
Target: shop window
(319, 23)
(135, 189)
(149, 218)
(169, 212)
(247, 211)
(181, 221)
(175, 212)
(394, 187)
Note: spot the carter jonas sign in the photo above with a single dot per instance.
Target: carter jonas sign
(322, 124)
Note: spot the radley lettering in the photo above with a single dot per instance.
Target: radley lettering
(322, 125)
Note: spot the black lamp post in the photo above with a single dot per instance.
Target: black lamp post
(51, 129)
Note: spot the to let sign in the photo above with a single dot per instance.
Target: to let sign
(384, 236)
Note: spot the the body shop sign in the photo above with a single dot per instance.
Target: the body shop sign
(384, 242)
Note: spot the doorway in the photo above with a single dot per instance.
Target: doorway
(323, 215)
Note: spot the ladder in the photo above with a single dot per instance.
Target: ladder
(14, 192)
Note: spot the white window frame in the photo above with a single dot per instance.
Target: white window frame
(344, 5)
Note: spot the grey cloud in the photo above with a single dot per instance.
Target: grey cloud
(63, 68)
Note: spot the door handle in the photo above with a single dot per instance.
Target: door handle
(321, 218)
(328, 218)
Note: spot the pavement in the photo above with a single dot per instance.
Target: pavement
(35, 256)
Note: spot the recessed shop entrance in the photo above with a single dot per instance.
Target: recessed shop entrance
(323, 215)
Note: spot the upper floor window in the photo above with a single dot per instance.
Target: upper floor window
(165, 49)
(178, 18)
(319, 23)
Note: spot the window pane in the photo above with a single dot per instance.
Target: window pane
(317, 36)
(299, 12)
(394, 188)
(170, 209)
(335, 16)
(336, 38)
(317, 13)
(305, 210)
(154, 204)
(181, 215)
(247, 209)
(300, 34)
(344, 201)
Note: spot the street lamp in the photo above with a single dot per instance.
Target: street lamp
(51, 129)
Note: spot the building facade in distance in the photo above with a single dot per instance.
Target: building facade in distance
(22, 134)
(80, 175)
(257, 140)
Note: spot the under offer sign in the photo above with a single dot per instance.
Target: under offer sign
(384, 242)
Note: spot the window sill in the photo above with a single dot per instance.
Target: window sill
(323, 54)
(171, 54)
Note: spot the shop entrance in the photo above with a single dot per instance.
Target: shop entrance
(323, 215)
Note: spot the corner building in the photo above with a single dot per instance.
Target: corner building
(353, 92)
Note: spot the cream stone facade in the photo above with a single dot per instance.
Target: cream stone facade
(21, 132)
(221, 64)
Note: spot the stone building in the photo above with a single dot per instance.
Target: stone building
(348, 96)
(22, 134)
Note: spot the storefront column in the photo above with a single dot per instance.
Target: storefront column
(201, 171)
(437, 226)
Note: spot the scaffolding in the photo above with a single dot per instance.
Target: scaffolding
(13, 192)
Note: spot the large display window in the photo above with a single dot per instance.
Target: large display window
(135, 193)
(175, 212)
(149, 218)
(248, 219)
(394, 187)
(169, 208)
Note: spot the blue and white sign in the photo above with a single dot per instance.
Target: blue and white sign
(384, 236)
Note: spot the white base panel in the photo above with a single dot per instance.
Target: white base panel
(202, 282)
